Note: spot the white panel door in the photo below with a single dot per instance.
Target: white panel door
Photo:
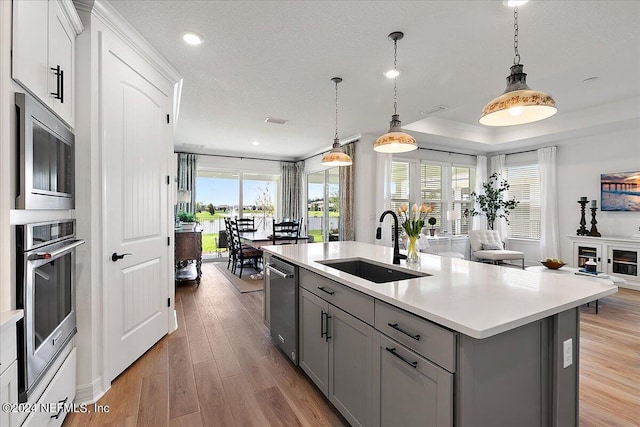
(135, 143)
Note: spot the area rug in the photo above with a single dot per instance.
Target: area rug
(246, 284)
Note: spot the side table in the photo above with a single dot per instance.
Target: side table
(188, 256)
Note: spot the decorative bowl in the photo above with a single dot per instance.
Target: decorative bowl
(552, 265)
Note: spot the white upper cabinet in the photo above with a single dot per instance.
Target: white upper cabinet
(44, 33)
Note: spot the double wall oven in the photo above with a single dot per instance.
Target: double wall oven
(45, 251)
(45, 273)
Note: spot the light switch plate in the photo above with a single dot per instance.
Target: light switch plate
(567, 353)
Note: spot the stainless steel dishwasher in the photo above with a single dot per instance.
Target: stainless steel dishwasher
(283, 305)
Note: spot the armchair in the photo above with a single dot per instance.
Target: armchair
(486, 245)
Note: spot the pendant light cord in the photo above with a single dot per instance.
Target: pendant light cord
(516, 59)
(395, 78)
(336, 137)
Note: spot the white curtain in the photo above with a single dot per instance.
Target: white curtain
(497, 166)
(549, 227)
(383, 193)
(479, 222)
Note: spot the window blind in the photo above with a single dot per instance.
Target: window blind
(399, 184)
(431, 185)
(524, 220)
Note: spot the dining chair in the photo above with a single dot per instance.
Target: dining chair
(244, 253)
(246, 224)
(285, 232)
(231, 247)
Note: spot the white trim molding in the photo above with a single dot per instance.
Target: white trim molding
(90, 393)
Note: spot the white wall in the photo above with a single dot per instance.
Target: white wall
(580, 163)
(364, 199)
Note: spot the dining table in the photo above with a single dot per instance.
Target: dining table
(260, 238)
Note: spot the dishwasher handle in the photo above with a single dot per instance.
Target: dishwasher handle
(279, 273)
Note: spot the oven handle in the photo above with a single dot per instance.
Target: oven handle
(46, 256)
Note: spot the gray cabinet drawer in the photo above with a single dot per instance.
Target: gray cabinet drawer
(353, 302)
(434, 342)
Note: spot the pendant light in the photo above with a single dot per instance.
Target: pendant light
(395, 141)
(518, 104)
(336, 157)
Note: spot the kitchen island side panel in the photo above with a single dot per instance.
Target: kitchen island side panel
(511, 378)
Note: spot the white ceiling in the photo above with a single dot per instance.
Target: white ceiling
(276, 58)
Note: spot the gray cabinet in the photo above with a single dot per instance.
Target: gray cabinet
(350, 366)
(411, 390)
(313, 345)
(336, 353)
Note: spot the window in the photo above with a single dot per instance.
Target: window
(231, 194)
(323, 210)
(442, 185)
(399, 184)
(259, 198)
(463, 182)
(431, 180)
(524, 182)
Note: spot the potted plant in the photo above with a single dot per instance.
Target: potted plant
(432, 222)
(492, 203)
(187, 219)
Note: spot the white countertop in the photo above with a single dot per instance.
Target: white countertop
(9, 317)
(476, 299)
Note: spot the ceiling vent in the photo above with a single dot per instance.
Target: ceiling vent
(434, 110)
(276, 121)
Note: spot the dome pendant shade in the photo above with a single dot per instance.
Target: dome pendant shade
(336, 157)
(518, 104)
(395, 141)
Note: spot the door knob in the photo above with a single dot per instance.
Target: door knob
(115, 257)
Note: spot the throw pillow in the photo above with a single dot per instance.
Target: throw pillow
(491, 246)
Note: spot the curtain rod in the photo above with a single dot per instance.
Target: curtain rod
(447, 151)
(234, 157)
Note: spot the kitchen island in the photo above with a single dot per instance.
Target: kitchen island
(466, 344)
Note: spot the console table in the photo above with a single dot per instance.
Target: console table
(613, 255)
(188, 256)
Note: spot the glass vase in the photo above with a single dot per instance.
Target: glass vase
(413, 256)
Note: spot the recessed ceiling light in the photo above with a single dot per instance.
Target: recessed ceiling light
(255, 142)
(391, 74)
(192, 38)
(514, 3)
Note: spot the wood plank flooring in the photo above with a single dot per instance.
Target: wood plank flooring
(221, 369)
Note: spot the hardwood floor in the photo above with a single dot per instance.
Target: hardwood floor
(610, 362)
(220, 369)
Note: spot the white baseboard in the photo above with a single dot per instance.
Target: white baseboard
(90, 393)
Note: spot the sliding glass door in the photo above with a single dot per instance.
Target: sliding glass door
(323, 205)
(233, 194)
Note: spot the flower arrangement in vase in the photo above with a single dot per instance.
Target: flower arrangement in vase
(412, 223)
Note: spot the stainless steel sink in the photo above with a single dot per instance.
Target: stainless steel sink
(369, 270)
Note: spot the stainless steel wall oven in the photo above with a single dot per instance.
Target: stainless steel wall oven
(46, 157)
(45, 275)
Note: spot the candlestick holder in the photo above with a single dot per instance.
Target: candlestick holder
(582, 231)
(594, 230)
